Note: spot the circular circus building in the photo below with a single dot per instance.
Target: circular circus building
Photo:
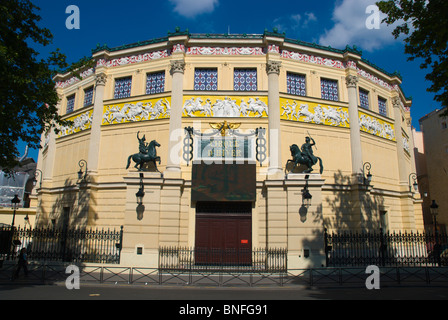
(231, 142)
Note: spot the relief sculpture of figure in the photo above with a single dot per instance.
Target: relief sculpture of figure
(147, 153)
(305, 155)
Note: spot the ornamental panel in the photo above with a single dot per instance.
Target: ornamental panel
(228, 106)
(81, 122)
(376, 126)
(309, 112)
(151, 109)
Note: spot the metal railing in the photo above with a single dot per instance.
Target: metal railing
(67, 245)
(386, 249)
(265, 260)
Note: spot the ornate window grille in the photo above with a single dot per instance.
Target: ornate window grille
(382, 108)
(329, 89)
(245, 80)
(364, 98)
(123, 88)
(88, 96)
(206, 79)
(296, 84)
(70, 103)
(155, 82)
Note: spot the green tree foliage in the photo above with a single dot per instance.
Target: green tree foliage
(27, 91)
(425, 25)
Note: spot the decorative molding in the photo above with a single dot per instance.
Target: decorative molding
(272, 48)
(229, 51)
(312, 59)
(178, 48)
(73, 80)
(133, 59)
(374, 79)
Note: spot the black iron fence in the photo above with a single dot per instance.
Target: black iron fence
(386, 249)
(265, 260)
(67, 245)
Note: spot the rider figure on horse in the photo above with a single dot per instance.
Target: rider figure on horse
(307, 150)
(142, 145)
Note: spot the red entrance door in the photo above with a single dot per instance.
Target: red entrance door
(224, 233)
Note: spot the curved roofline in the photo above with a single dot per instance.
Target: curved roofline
(349, 52)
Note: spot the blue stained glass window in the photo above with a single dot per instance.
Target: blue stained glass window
(296, 84)
(70, 103)
(206, 79)
(329, 89)
(382, 109)
(155, 82)
(364, 98)
(245, 80)
(88, 96)
(123, 88)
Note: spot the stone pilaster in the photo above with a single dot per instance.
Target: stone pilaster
(95, 130)
(355, 138)
(173, 163)
(275, 161)
(403, 173)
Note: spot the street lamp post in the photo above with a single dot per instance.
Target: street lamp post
(415, 184)
(434, 212)
(15, 204)
(366, 178)
(82, 163)
(38, 173)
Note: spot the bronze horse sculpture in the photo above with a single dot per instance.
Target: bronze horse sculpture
(148, 153)
(300, 157)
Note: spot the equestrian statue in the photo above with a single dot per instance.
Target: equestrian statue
(305, 156)
(147, 153)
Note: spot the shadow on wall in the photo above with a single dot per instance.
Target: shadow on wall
(348, 209)
(70, 208)
(352, 209)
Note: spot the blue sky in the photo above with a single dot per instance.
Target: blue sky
(329, 23)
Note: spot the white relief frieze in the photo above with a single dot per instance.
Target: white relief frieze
(332, 116)
(139, 111)
(225, 51)
(227, 107)
(80, 123)
(374, 126)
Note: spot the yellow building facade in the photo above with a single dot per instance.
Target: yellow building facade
(225, 111)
